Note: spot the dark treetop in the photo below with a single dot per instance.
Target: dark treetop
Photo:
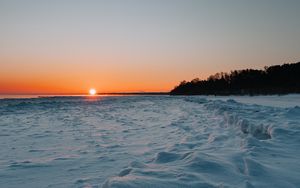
(277, 79)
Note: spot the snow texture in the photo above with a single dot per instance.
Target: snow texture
(150, 141)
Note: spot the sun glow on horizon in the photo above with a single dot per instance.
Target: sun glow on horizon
(92, 91)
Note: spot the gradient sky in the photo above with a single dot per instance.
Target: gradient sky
(68, 46)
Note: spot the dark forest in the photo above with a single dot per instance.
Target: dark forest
(277, 79)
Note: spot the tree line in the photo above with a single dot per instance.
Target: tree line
(277, 79)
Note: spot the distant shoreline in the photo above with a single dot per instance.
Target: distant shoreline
(28, 96)
(85, 94)
(137, 93)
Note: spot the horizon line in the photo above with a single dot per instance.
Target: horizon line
(86, 94)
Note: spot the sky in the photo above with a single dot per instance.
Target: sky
(69, 46)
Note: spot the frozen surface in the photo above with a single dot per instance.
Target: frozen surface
(150, 141)
(267, 100)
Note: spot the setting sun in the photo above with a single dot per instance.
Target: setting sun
(92, 91)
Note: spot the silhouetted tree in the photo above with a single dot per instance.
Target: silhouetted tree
(277, 79)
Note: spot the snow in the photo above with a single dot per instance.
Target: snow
(150, 141)
(266, 100)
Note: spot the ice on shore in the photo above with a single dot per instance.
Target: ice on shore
(150, 141)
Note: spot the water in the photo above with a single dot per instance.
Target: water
(150, 141)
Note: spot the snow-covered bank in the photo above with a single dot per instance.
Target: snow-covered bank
(283, 101)
(149, 141)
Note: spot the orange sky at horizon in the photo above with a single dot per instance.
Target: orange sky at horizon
(55, 76)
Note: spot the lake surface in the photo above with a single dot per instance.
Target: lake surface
(150, 141)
